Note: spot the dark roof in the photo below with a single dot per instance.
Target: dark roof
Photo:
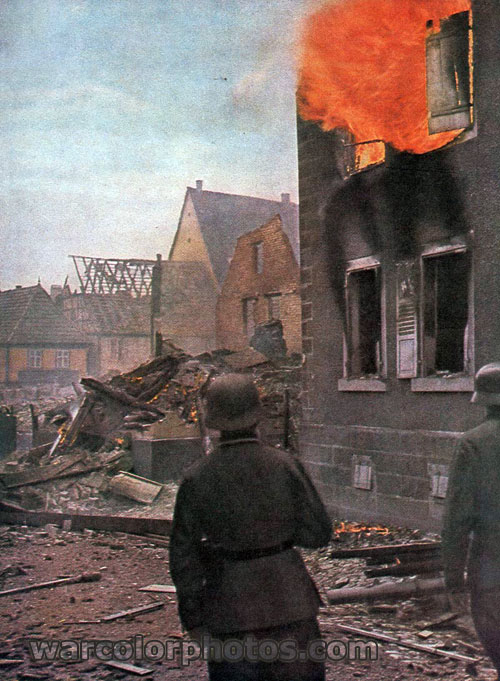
(225, 217)
(114, 313)
(29, 316)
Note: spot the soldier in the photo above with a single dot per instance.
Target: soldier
(472, 518)
(251, 503)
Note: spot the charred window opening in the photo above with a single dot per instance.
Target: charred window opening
(364, 323)
(258, 257)
(449, 74)
(359, 156)
(62, 359)
(274, 306)
(445, 313)
(249, 316)
(35, 358)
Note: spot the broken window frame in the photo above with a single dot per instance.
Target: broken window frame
(460, 381)
(35, 358)
(444, 79)
(62, 359)
(273, 303)
(372, 382)
(249, 320)
(258, 256)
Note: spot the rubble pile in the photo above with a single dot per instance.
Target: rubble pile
(82, 443)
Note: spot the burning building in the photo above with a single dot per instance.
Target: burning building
(399, 129)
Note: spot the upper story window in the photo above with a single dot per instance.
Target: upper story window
(35, 358)
(435, 335)
(62, 359)
(249, 316)
(449, 73)
(274, 305)
(258, 257)
(363, 339)
(445, 313)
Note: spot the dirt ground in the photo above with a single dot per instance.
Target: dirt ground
(125, 563)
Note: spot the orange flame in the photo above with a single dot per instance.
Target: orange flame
(356, 528)
(363, 69)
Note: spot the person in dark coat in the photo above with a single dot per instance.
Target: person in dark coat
(472, 518)
(249, 504)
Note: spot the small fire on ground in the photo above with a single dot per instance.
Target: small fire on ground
(357, 528)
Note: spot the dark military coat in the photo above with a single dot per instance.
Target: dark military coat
(472, 519)
(245, 498)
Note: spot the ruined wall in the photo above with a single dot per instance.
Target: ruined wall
(396, 441)
(280, 275)
(121, 352)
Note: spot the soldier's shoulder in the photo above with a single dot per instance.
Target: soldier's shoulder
(484, 430)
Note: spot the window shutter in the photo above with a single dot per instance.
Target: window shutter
(407, 326)
(448, 75)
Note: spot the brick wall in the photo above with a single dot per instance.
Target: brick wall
(280, 275)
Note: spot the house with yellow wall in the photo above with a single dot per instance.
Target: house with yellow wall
(38, 344)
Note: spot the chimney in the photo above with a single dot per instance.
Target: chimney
(285, 198)
(18, 286)
(199, 185)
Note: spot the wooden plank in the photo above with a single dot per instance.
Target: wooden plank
(389, 590)
(406, 644)
(386, 550)
(10, 663)
(150, 607)
(131, 668)
(32, 476)
(410, 568)
(134, 487)
(160, 588)
(85, 577)
(109, 523)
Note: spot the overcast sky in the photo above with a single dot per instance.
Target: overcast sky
(110, 108)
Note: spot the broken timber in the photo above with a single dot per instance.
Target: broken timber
(406, 644)
(33, 476)
(131, 668)
(86, 577)
(398, 590)
(386, 550)
(409, 568)
(150, 607)
(134, 487)
(118, 395)
(79, 521)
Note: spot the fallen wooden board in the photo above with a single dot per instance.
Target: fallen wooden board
(395, 590)
(410, 568)
(131, 668)
(406, 644)
(78, 579)
(150, 607)
(160, 588)
(32, 476)
(79, 521)
(386, 550)
(134, 487)
(10, 663)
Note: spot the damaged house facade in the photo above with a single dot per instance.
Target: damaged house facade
(262, 284)
(400, 249)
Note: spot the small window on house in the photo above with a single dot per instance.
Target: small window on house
(35, 358)
(449, 73)
(274, 306)
(364, 323)
(258, 257)
(445, 313)
(62, 359)
(249, 316)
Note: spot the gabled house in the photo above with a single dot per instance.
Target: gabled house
(262, 284)
(37, 343)
(116, 325)
(400, 263)
(211, 222)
